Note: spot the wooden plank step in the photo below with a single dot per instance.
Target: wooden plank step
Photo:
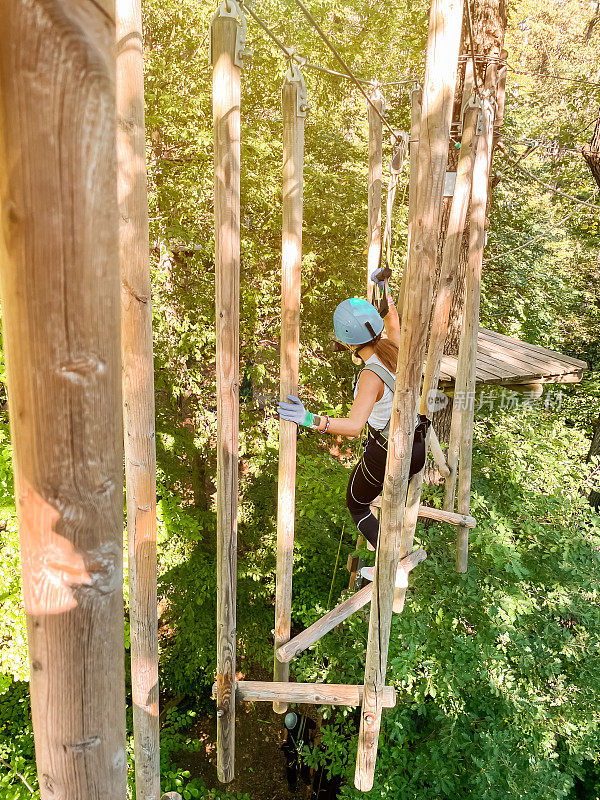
(340, 613)
(319, 694)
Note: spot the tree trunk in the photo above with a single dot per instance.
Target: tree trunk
(594, 450)
(591, 152)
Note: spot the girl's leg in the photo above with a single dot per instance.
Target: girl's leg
(365, 484)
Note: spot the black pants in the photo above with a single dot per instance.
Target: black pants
(366, 481)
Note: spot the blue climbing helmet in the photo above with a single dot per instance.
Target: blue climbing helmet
(356, 321)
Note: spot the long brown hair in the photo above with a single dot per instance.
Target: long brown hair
(387, 353)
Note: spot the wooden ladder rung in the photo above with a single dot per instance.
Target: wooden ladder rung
(340, 613)
(438, 454)
(320, 694)
(437, 514)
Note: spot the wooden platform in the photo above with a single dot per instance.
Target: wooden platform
(503, 360)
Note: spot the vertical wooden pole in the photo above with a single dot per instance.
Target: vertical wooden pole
(138, 396)
(59, 269)
(438, 93)
(226, 122)
(454, 236)
(375, 174)
(293, 98)
(416, 98)
(461, 431)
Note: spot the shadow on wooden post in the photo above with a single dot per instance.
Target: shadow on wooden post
(225, 55)
(294, 106)
(438, 92)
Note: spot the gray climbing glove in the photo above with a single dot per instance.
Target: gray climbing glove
(294, 411)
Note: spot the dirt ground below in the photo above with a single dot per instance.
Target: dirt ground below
(259, 760)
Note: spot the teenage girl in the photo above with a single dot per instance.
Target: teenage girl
(359, 326)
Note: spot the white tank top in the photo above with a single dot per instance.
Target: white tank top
(382, 410)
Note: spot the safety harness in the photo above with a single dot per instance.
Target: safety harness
(419, 450)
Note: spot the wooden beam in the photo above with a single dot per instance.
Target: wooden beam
(416, 99)
(319, 694)
(461, 431)
(354, 564)
(438, 514)
(226, 122)
(59, 272)
(454, 236)
(293, 101)
(438, 92)
(374, 179)
(138, 396)
(438, 454)
(340, 613)
(409, 525)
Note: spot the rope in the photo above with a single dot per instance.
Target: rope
(531, 241)
(290, 53)
(346, 68)
(557, 77)
(551, 188)
(268, 31)
(399, 154)
(472, 45)
(337, 558)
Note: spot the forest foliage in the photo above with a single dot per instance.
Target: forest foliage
(498, 670)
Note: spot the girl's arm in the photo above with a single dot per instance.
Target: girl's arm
(392, 321)
(370, 389)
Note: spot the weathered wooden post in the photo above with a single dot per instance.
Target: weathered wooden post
(464, 409)
(461, 432)
(138, 396)
(375, 174)
(59, 268)
(454, 234)
(226, 43)
(374, 186)
(416, 99)
(438, 92)
(294, 105)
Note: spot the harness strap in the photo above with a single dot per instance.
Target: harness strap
(389, 381)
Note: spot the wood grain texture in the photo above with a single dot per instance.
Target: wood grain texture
(461, 431)
(451, 250)
(416, 100)
(59, 268)
(320, 694)
(432, 513)
(504, 360)
(138, 396)
(438, 92)
(226, 122)
(291, 260)
(438, 454)
(340, 613)
(374, 187)
(409, 524)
